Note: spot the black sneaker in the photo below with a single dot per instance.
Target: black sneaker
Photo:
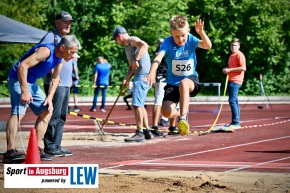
(55, 152)
(154, 130)
(65, 152)
(163, 122)
(13, 155)
(173, 131)
(147, 134)
(138, 137)
(44, 156)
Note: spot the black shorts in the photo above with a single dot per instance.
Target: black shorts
(172, 92)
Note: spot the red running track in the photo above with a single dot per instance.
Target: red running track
(263, 146)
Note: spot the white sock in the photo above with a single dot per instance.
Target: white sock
(164, 118)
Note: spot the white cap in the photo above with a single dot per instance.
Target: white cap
(160, 40)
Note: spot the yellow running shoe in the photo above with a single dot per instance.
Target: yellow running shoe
(183, 126)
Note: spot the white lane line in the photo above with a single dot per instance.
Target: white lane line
(196, 153)
(118, 127)
(194, 165)
(248, 121)
(259, 164)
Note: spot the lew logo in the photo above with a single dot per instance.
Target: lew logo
(83, 175)
(51, 176)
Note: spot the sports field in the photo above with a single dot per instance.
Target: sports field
(255, 158)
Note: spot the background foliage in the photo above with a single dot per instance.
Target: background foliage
(262, 26)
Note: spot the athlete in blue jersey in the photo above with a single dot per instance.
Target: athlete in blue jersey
(101, 81)
(24, 91)
(182, 78)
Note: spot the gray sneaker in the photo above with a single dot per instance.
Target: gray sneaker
(233, 125)
(65, 152)
(12, 155)
(44, 156)
(138, 137)
(54, 152)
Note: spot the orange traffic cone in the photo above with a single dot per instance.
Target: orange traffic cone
(33, 155)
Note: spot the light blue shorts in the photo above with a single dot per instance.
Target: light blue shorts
(36, 105)
(140, 90)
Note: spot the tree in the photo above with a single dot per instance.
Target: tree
(26, 12)
(260, 27)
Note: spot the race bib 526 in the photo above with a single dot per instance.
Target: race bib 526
(182, 67)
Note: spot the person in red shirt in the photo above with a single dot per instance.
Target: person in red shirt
(235, 70)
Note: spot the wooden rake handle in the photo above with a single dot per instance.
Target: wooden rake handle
(121, 91)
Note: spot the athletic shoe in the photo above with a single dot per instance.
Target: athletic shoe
(65, 152)
(138, 137)
(154, 130)
(163, 122)
(227, 125)
(55, 152)
(148, 134)
(103, 110)
(129, 108)
(76, 109)
(183, 126)
(44, 156)
(12, 155)
(233, 126)
(93, 110)
(173, 131)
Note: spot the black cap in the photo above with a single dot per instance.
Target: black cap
(65, 16)
(117, 31)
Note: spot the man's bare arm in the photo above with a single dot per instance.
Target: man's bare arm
(40, 55)
(54, 80)
(155, 63)
(141, 45)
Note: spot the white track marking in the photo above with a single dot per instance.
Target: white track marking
(259, 164)
(196, 153)
(196, 165)
(254, 120)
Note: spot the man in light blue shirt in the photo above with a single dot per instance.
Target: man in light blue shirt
(54, 133)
